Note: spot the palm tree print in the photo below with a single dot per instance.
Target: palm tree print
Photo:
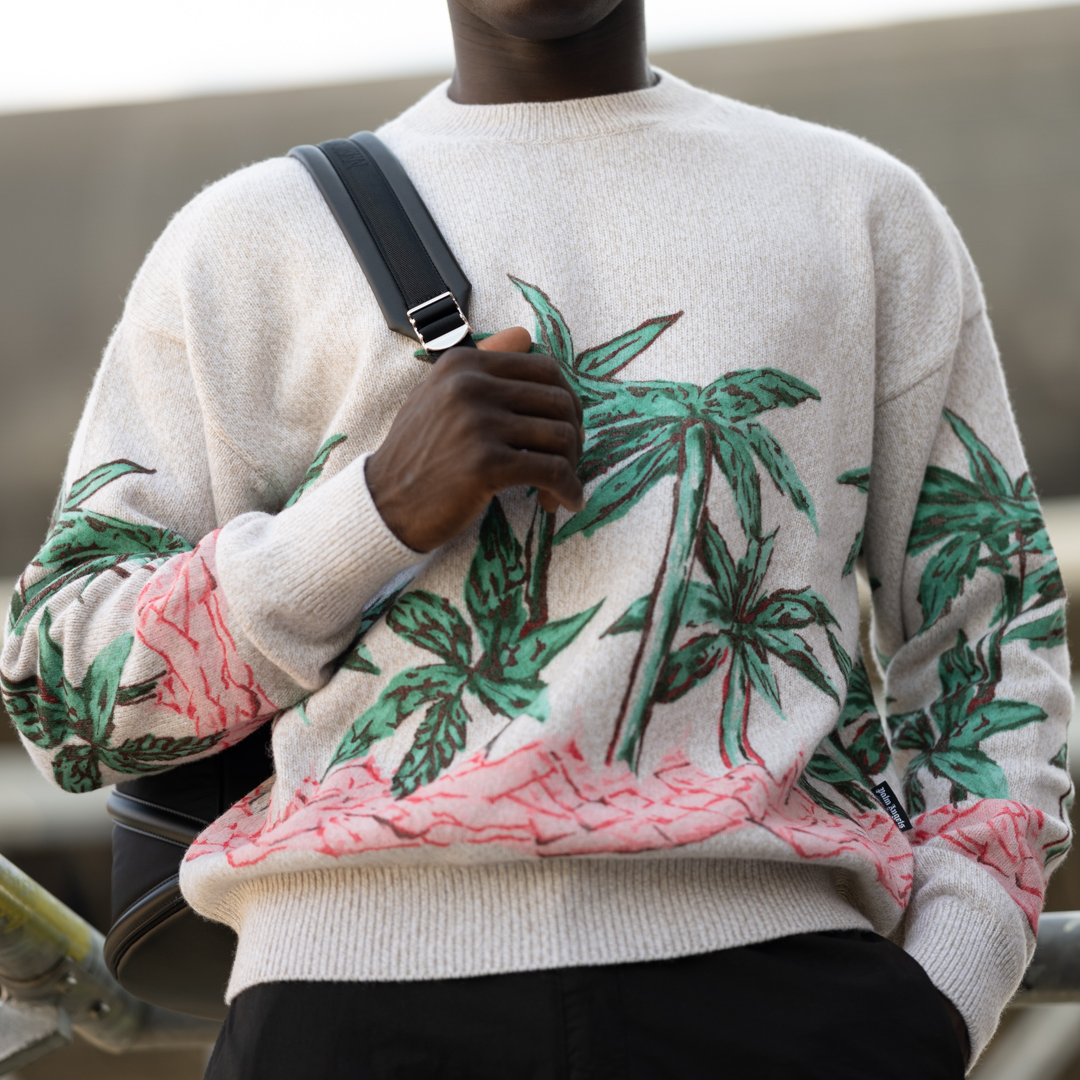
(48, 709)
(516, 642)
(946, 736)
(1061, 761)
(642, 432)
(357, 657)
(854, 754)
(315, 469)
(83, 543)
(860, 480)
(746, 627)
(985, 520)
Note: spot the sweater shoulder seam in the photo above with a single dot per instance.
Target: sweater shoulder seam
(215, 426)
(209, 418)
(929, 373)
(157, 331)
(914, 384)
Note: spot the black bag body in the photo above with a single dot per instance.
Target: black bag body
(158, 948)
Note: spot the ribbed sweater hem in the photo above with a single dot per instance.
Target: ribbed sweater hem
(406, 923)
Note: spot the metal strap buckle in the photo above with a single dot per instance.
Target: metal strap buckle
(439, 322)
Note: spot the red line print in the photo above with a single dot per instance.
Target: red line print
(1002, 836)
(545, 801)
(181, 616)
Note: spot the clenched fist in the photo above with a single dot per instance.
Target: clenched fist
(487, 419)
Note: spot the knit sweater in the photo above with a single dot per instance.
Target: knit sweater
(641, 731)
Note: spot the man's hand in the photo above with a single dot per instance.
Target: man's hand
(487, 419)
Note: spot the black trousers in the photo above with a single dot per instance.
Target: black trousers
(834, 1006)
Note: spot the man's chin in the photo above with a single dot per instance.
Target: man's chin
(539, 20)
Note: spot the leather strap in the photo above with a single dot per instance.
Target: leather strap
(158, 821)
(418, 283)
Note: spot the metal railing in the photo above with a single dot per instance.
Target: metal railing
(1054, 972)
(55, 982)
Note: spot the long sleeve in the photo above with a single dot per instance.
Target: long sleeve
(969, 628)
(185, 591)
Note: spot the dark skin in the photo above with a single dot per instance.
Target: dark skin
(547, 50)
(486, 419)
(497, 417)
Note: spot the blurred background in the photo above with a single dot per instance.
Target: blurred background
(113, 115)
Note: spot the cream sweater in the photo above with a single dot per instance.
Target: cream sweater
(642, 731)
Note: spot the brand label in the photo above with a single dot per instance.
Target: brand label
(885, 795)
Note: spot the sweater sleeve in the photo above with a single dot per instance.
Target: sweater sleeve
(969, 629)
(148, 630)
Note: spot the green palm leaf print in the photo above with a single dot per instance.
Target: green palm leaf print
(860, 480)
(357, 657)
(96, 479)
(36, 705)
(743, 626)
(857, 478)
(854, 754)
(497, 659)
(756, 625)
(947, 736)
(636, 431)
(84, 543)
(985, 520)
(315, 469)
(639, 433)
(50, 709)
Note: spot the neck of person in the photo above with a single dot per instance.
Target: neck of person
(496, 68)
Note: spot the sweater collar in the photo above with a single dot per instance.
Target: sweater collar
(436, 116)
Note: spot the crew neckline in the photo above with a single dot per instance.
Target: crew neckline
(435, 115)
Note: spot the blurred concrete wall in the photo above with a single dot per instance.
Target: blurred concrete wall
(987, 109)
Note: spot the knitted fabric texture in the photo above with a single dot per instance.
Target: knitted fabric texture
(641, 731)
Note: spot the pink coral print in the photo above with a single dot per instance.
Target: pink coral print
(181, 616)
(544, 801)
(1000, 835)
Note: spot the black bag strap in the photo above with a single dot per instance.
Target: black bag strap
(423, 292)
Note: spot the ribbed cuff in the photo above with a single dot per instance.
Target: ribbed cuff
(969, 937)
(296, 582)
